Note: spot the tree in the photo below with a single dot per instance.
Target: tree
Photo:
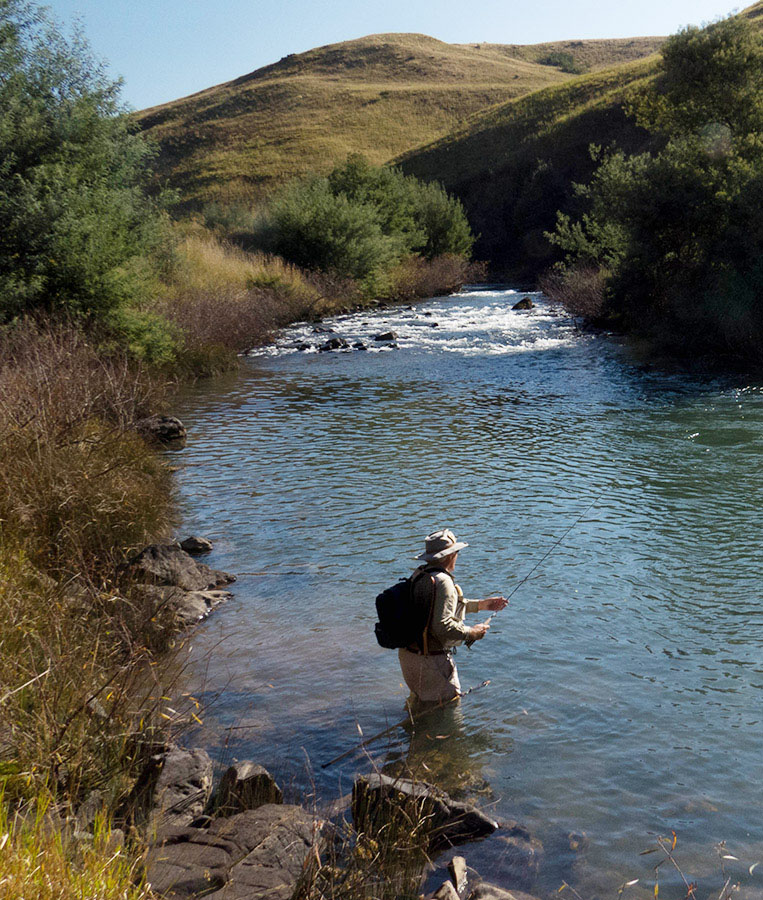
(76, 223)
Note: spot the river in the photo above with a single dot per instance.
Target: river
(626, 675)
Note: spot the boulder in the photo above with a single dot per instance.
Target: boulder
(169, 564)
(302, 346)
(524, 303)
(334, 343)
(255, 854)
(244, 786)
(446, 891)
(359, 345)
(173, 789)
(322, 329)
(377, 798)
(458, 873)
(173, 607)
(386, 336)
(167, 431)
(195, 545)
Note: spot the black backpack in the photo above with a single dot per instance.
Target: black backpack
(403, 614)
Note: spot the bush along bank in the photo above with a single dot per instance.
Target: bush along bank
(670, 247)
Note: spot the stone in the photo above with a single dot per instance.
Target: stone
(322, 329)
(446, 891)
(302, 346)
(189, 861)
(173, 607)
(486, 891)
(457, 870)
(195, 545)
(168, 431)
(244, 786)
(386, 336)
(427, 314)
(94, 803)
(376, 797)
(334, 343)
(524, 303)
(517, 853)
(279, 842)
(169, 564)
(359, 345)
(173, 789)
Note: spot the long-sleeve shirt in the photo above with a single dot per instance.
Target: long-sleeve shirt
(447, 628)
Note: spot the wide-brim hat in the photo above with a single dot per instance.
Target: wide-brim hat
(440, 544)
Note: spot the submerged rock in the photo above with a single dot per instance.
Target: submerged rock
(165, 430)
(323, 329)
(524, 303)
(375, 798)
(486, 891)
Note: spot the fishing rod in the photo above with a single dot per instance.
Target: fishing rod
(409, 719)
(545, 556)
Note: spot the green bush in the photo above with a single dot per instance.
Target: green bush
(563, 60)
(361, 221)
(74, 213)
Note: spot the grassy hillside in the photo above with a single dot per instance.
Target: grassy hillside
(513, 166)
(379, 95)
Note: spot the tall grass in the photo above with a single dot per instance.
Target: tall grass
(41, 863)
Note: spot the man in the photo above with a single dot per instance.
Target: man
(428, 669)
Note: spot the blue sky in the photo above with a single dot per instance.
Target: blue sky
(166, 49)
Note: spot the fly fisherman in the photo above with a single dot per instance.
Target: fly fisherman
(429, 669)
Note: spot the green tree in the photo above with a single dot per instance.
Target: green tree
(76, 223)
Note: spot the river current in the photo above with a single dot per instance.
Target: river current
(626, 676)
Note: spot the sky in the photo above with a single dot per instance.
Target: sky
(165, 49)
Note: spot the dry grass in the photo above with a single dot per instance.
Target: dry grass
(380, 95)
(580, 290)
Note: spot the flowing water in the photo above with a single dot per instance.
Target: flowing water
(626, 675)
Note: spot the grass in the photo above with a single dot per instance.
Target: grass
(380, 95)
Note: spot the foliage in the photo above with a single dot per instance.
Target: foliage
(679, 230)
(563, 60)
(75, 221)
(361, 220)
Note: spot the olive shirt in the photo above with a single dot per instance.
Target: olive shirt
(447, 628)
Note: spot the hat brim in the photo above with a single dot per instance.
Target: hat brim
(441, 554)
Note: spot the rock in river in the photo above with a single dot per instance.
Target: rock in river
(194, 545)
(334, 343)
(377, 797)
(169, 564)
(165, 430)
(524, 303)
(386, 336)
(245, 785)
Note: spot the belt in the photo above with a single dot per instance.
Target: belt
(420, 652)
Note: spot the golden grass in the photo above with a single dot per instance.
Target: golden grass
(380, 95)
(38, 862)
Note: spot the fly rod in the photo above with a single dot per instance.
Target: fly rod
(408, 719)
(543, 558)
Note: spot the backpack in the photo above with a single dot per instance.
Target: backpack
(403, 615)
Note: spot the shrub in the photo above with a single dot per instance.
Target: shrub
(563, 60)
(75, 219)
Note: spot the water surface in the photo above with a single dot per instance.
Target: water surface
(626, 676)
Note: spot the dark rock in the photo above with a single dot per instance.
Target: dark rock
(303, 345)
(323, 329)
(195, 545)
(427, 314)
(435, 325)
(245, 786)
(334, 343)
(377, 798)
(168, 564)
(173, 789)
(485, 891)
(359, 345)
(524, 303)
(165, 430)
(188, 862)
(385, 336)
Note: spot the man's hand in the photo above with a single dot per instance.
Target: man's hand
(494, 604)
(477, 632)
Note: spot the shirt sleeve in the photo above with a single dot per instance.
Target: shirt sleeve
(472, 606)
(446, 627)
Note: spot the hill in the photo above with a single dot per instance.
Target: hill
(380, 95)
(514, 165)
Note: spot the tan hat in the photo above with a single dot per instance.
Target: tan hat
(440, 544)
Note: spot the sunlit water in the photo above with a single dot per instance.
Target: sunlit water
(626, 675)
